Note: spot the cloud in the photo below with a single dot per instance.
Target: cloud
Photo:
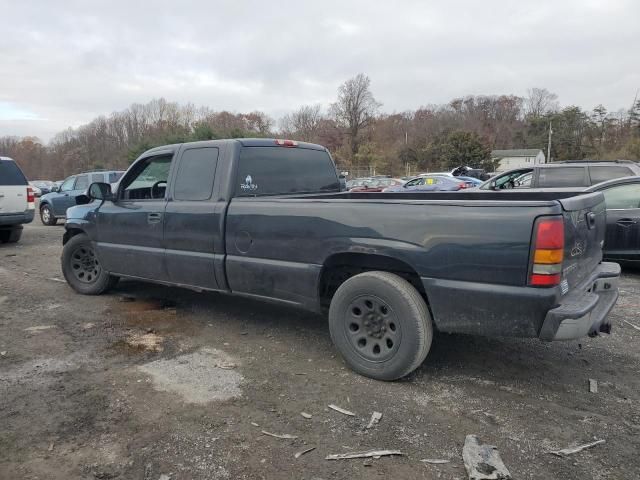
(65, 63)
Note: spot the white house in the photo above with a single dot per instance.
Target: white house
(510, 159)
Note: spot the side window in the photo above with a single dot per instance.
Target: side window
(562, 177)
(67, 185)
(82, 182)
(603, 173)
(97, 177)
(281, 170)
(524, 181)
(148, 180)
(415, 182)
(622, 197)
(195, 174)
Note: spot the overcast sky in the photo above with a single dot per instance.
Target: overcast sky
(64, 63)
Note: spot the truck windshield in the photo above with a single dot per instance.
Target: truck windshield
(279, 170)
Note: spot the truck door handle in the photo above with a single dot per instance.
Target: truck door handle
(154, 217)
(626, 221)
(591, 220)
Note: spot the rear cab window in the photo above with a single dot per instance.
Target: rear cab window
(10, 173)
(281, 170)
(97, 178)
(562, 177)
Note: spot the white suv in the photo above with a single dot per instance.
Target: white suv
(17, 201)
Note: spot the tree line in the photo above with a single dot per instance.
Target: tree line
(361, 137)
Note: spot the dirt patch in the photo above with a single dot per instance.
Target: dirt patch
(200, 377)
(148, 341)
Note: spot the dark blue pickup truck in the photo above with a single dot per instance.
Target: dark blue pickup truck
(267, 219)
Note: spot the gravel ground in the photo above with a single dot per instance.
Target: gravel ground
(150, 381)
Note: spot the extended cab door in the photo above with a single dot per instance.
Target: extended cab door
(130, 229)
(194, 219)
(622, 240)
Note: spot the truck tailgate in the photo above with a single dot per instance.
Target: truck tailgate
(585, 224)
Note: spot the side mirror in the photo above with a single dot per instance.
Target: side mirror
(100, 191)
(342, 180)
(493, 185)
(55, 188)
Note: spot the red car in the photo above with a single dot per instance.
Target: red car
(377, 185)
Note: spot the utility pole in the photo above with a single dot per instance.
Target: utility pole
(549, 144)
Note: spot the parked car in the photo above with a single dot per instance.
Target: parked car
(54, 205)
(265, 219)
(358, 182)
(429, 183)
(622, 197)
(36, 191)
(471, 182)
(377, 185)
(17, 201)
(45, 186)
(578, 173)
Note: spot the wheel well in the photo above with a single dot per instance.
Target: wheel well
(340, 267)
(68, 234)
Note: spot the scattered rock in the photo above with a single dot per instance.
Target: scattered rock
(483, 462)
(593, 386)
(375, 419)
(305, 415)
(148, 341)
(3, 353)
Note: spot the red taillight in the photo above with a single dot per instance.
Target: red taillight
(286, 143)
(462, 185)
(548, 252)
(31, 198)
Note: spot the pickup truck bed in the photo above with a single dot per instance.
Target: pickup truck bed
(387, 267)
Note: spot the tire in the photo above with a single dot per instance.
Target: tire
(46, 215)
(383, 309)
(81, 267)
(11, 235)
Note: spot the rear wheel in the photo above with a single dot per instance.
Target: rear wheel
(47, 216)
(11, 235)
(82, 269)
(380, 324)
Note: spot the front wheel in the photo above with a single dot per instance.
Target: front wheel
(46, 215)
(381, 325)
(82, 269)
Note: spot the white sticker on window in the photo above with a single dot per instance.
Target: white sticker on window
(248, 184)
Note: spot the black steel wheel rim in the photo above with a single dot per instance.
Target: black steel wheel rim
(85, 265)
(372, 328)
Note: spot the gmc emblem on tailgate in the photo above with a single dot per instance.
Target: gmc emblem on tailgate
(578, 249)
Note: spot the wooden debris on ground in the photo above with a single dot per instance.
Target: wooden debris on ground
(569, 451)
(306, 415)
(341, 410)
(435, 461)
(284, 436)
(483, 462)
(299, 454)
(634, 326)
(368, 454)
(375, 419)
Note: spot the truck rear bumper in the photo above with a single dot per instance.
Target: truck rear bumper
(7, 219)
(584, 310)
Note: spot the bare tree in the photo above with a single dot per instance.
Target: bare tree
(304, 123)
(540, 101)
(356, 108)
